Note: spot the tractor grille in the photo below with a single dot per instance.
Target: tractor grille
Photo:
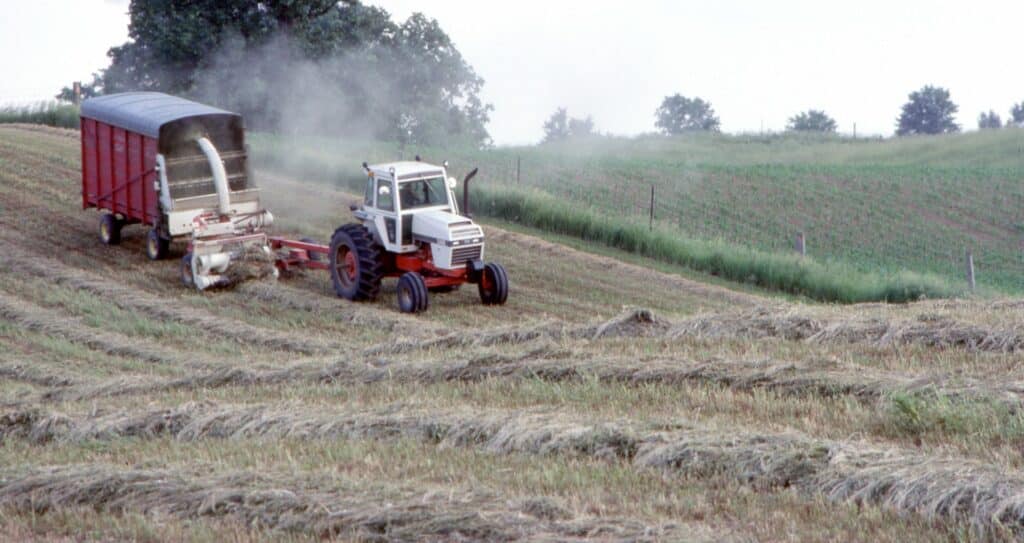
(461, 255)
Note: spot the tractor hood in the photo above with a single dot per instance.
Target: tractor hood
(444, 227)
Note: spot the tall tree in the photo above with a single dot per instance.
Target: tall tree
(928, 111)
(989, 120)
(556, 128)
(1017, 114)
(678, 114)
(274, 59)
(812, 120)
(560, 126)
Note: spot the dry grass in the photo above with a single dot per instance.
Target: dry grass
(929, 330)
(990, 501)
(276, 410)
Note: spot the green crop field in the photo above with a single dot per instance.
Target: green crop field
(877, 206)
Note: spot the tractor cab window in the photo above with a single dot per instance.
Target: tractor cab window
(423, 193)
(385, 200)
(368, 199)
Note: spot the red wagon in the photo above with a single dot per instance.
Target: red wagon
(152, 159)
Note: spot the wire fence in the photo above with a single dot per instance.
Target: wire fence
(924, 225)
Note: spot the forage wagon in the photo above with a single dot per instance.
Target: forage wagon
(181, 169)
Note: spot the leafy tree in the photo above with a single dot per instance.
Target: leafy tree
(928, 111)
(990, 120)
(346, 67)
(812, 120)
(678, 114)
(556, 128)
(560, 126)
(1017, 114)
(581, 128)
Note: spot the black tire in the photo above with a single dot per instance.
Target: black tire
(493, 285)
(157, 246)
(412, 293)
(110, 229)
(315, 257)
(355, 263)
(186, 271)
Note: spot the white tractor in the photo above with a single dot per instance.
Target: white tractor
(410, 227)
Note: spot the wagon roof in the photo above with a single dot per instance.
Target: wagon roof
(145, 112)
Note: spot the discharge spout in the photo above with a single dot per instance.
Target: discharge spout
(220, 175)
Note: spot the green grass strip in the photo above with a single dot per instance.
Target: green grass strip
(48, 113)
(828, 281)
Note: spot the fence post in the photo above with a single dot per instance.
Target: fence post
(517, 168)
(801, 244)
(969, 263)
(651, 226)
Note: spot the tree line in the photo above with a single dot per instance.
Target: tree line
(339, 67)
(929, 110)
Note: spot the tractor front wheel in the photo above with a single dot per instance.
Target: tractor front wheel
(110, 229)
(157, 246)
(355, 263)
(412, 293)
(493, 285)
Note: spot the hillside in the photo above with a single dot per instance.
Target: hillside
(878, 205)
(605, 401)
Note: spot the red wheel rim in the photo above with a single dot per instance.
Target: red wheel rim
(347, 266)
(350, 265)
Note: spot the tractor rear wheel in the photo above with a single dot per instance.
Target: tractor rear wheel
(110, 229)
(412, 293)
(355, 263)
(157, 246)
(493, 285)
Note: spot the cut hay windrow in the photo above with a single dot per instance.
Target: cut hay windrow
(58, 324)
(939, 333)
(988, 499)
(264, 502)
(135, 300)
(292, 297)
(630, 323)
(547, 360)
(27, 372)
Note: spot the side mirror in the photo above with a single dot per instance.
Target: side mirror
(452, 182)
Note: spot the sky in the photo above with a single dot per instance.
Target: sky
(757, 62)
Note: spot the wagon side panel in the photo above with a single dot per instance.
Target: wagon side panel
(134, 190)
(104, 170)
(119, 165)
(90, 174)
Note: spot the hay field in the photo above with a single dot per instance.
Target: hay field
(606, 401)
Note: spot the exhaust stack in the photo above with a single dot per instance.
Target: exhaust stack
(465, 193)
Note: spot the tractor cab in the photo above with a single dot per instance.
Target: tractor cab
(409, 205)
